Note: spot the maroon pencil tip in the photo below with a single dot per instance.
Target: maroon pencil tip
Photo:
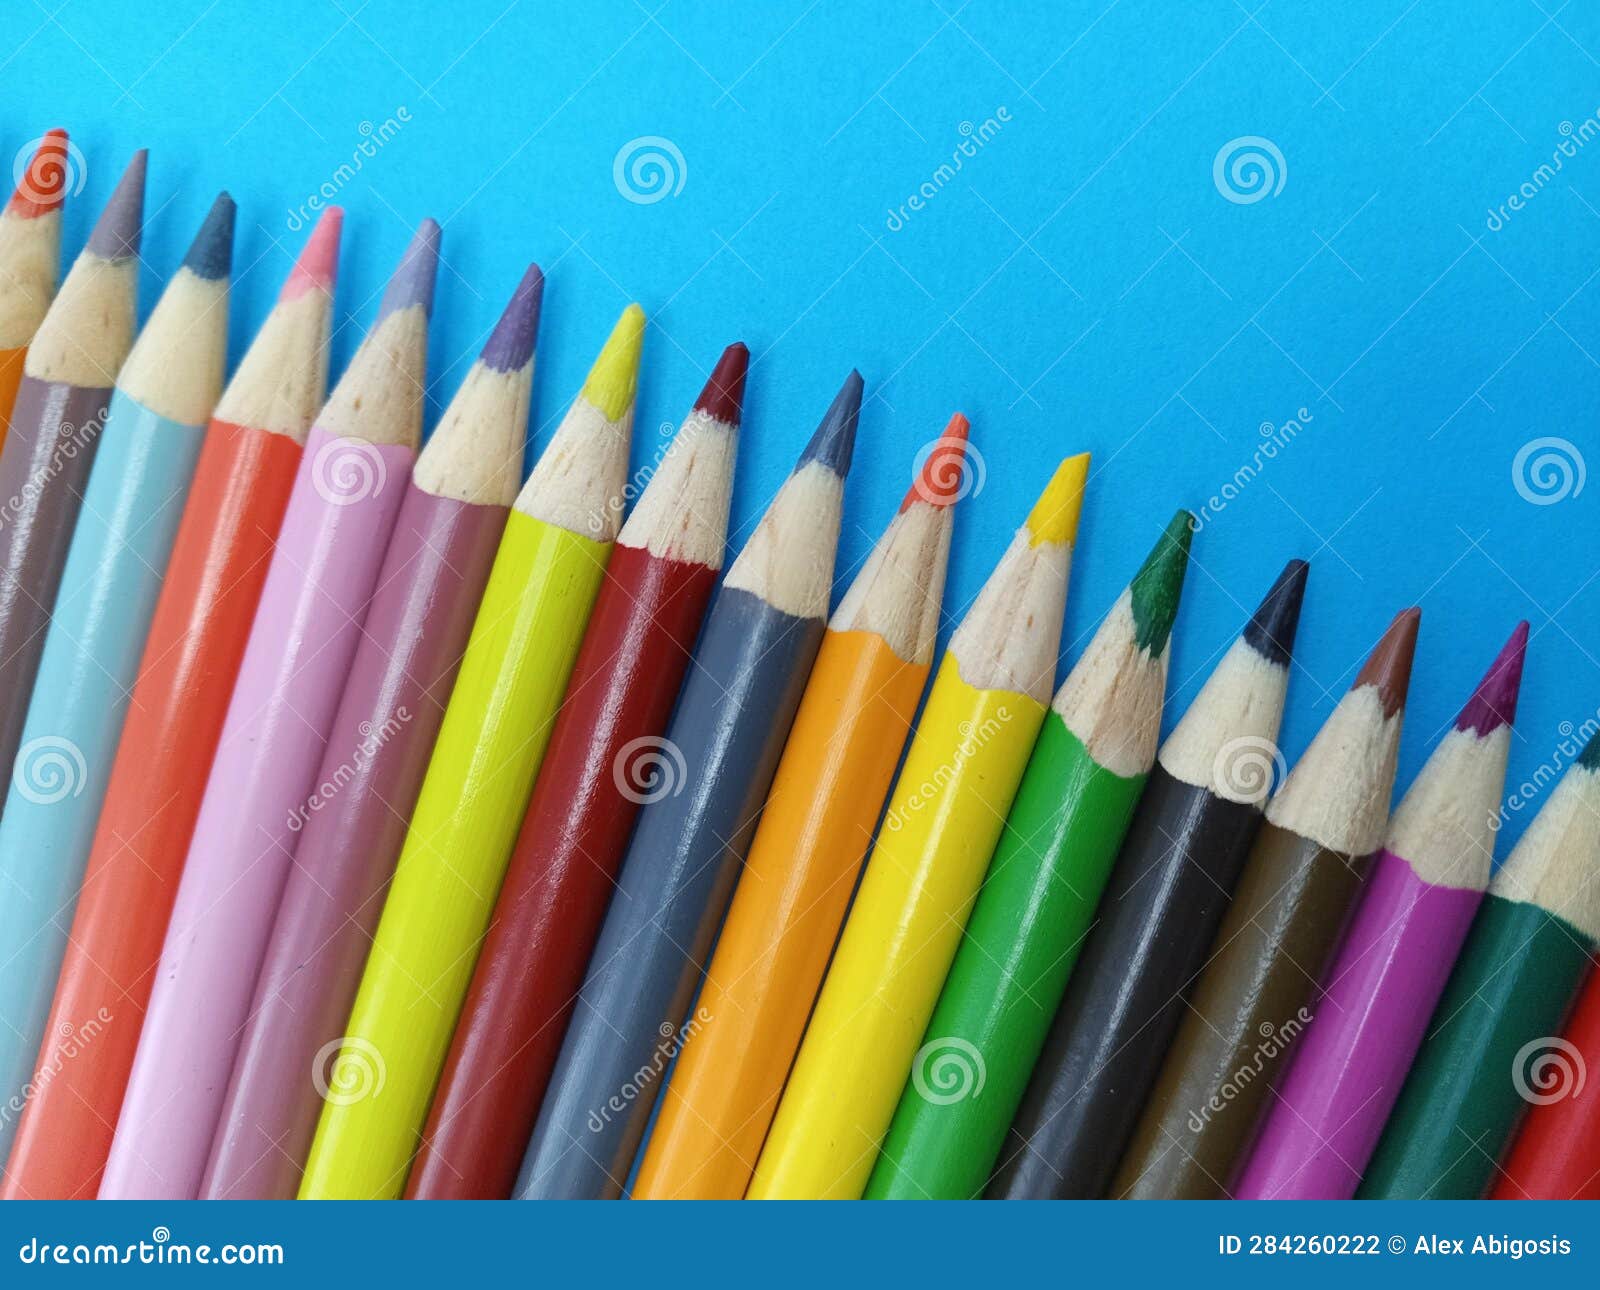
(1388, 667)
(723, 396)
(1494, 703)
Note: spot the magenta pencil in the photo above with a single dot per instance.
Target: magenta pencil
(352, 827)
(340, 514)
(1348, 1067)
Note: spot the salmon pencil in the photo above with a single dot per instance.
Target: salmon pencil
(197, 635)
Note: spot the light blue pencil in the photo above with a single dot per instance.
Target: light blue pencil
(161, 404)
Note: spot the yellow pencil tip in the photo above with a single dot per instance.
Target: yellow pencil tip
(1054, 517)
(615, 375)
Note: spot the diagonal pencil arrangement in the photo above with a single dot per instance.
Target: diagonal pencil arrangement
(379, 823)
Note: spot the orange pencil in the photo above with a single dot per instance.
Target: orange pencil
(30, 260)
(825, 800)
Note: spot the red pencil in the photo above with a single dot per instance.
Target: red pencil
(1556, 1156)
(606, 757)
(30, 259)
(197, 636)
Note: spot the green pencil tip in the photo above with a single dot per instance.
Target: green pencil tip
(1158, 584)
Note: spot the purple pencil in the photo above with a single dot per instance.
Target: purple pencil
(352, 826)
(1425, 887)
(324, 570)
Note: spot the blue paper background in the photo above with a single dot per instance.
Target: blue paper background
(1081, 282)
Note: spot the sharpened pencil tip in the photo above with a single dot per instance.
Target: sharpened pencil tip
(1388, 667)
(510, 345)
(211, 253)
(44, 183)
(1270, 631)
(117, 232)
(1054, 517)
(1157, 587)
(722, 399)
(834, 442)
(318, 265)
(1494, 703)
(1589, 758)
(943, 479)
(413, 279)
(613, 381)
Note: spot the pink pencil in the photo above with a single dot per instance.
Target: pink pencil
(341, 510)
(1426, 883)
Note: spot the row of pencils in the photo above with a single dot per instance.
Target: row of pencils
(381, 824)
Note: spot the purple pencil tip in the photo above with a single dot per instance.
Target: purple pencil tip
(510, 345)
(116, 233)
(1494, 703)
(412, 283)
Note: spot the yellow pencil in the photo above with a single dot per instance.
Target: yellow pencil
(512, 680)
(943, 820)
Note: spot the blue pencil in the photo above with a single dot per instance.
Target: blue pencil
(158, 413)
(750, 667)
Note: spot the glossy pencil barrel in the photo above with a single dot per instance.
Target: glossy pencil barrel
(562, 875)
(350, 833)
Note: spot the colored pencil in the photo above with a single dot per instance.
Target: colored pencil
(30, 260)
(154, 427)
(1080, 788)
(324, 570)
(738, 702)
(1345, 1074)
(1493, 1034)
(1082, 784)
(826, 796)
(546, 574)
(60, 409)
(1157, 916)
(174, 718)
(1556, 1154)
(944, 817)
(352, 828)
(604, 751)
(1323, 827)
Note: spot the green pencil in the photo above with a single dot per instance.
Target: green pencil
(1065, 828)
(1527, 953)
